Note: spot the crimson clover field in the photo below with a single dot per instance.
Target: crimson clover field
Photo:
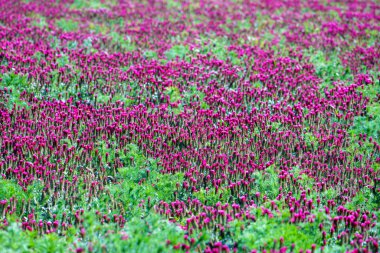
(189, 126)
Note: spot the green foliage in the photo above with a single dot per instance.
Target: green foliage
(364, 125)
(329, 194)
(118, 97)
(265, 230)
(88, 4)
(328, 69)
(244, 24)
(335, 15)
(87, 43)
(374, 37)
(63, 60)
(194, 93)
(71, 45)
(99, 28)
(311, 141)
(173, 93)
(267, 182)
(139, 235)
(364, 199)
(218, 46)
(13, 239)
(151, 55)
(16, 83)
(258, 85)
(12, 80)
(152, 233)
(238, 26)
(67, 25)
(173, 4)
(34, 189)
(10, 189)
(125, 42)
(54, 42)
(136, 186)
(179, 51)
(370, 123)
(211, 197)
(40, 22)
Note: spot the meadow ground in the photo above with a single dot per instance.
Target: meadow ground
(189, 126)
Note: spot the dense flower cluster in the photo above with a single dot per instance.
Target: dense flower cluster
(229, 119)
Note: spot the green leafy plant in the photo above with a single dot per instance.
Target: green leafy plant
(179, 51)
(67, 25)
